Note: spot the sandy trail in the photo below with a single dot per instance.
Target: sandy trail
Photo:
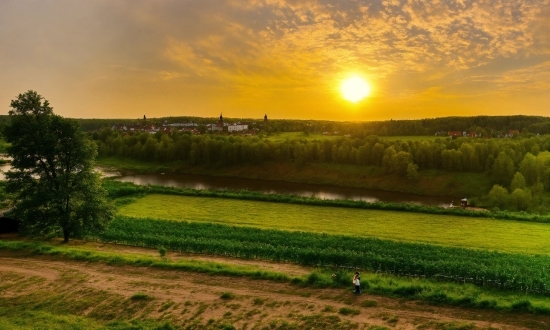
(185, 297)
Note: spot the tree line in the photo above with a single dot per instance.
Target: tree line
(484, 125)
(506, 161)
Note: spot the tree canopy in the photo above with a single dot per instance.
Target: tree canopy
(52, 174)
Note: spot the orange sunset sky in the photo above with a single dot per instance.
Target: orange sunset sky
(422, 59)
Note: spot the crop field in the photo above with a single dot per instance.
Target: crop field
(489, 234)
(517, 272)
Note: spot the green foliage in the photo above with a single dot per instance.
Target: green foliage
(162, 251)
(520, 199)
(227, 296)
(529, 169)
(508, 236)
(140, 296)
(53, 178)
(518, 182)
(498, 197)
(348, 311)
(412, 172)
(464, 154)
(500, 270)
(503, 169)
(116, 189)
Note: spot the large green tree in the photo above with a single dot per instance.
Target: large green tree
(52, 174)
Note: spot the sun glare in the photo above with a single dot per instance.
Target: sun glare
(355, 89)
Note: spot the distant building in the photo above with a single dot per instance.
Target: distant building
(218, 126)
(454, 133)
(238, 127)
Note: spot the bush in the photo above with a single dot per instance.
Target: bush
(140, 296)
(162, 251)
(227, 296)
(348, 311)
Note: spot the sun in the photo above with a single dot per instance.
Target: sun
(355, 89)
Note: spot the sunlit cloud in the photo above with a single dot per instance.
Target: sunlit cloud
(283, 56)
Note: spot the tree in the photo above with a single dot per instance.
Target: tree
(520, 199)
(503, 169)
(53, 177)
(412, 172)
(498, 197)
(518, 182)
(528, 167)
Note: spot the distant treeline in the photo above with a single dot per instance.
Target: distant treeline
(463, 154)
(522, 163)
(487, 126)
(484, 125)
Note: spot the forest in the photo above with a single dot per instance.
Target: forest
(518, 167)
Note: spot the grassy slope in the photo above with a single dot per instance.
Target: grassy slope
(431, 182)
(501, 235)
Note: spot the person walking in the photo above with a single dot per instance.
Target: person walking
(357, 283)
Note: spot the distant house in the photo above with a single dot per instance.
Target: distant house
(454, 133)
(238, 127)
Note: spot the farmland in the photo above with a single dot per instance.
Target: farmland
(85, 285)
(512, 271)
(449, 230)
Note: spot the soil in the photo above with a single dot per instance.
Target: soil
(186, 298)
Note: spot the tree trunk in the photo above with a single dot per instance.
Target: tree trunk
(66, 236)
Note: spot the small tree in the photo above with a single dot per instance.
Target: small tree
(503, 169)
(521, 199)
(518, 182)
(412, 172)
(53, 175)
(498, 197)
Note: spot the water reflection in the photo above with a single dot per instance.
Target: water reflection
(281, 187)
(269, 187)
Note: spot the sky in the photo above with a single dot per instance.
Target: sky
(283, 58)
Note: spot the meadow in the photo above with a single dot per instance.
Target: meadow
(446, 230)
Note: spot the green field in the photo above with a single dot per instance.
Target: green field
(491, 234)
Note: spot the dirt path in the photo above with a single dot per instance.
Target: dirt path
(105, 292)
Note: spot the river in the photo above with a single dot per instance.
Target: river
(195, 181)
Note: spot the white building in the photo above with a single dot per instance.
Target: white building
(237, 127)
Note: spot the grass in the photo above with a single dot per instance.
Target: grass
(410, 288)
(448, 230)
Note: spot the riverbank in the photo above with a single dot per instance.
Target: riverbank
(429, 183)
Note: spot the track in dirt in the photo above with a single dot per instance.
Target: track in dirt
(186, 298)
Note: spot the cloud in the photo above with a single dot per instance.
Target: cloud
(278, 52)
